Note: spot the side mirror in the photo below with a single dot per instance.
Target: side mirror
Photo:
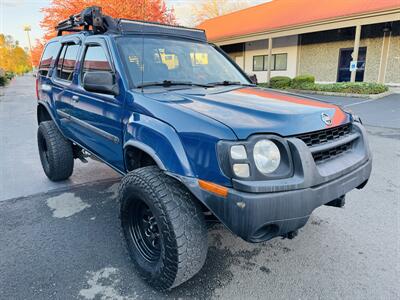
(253, 78)
(100, 82)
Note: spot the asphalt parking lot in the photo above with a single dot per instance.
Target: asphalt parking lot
(62, 241)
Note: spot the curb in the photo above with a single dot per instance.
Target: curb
(363, 96)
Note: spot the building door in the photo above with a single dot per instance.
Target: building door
(345, 57)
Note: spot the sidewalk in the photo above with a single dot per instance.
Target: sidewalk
(21, 173)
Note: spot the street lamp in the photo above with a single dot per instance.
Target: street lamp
(27, 29)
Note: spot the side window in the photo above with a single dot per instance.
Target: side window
(66, 62)
(95, 60)
(48, 58)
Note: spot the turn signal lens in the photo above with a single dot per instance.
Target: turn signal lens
(238, 152)
(241, 170)
(213, 188)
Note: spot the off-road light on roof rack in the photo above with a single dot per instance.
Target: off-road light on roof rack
(92, 19)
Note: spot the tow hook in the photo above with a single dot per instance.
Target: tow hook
(291, 235)
(339, 202)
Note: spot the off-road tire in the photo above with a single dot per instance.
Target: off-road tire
(56, 152)
(181, 224)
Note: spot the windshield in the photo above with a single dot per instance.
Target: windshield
(176, 61)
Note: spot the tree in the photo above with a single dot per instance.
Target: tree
(214, 8)
(13, 58)
(37, 50)
(58, 10)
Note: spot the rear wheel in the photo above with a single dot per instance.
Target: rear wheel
(56, 152)
(164, 228)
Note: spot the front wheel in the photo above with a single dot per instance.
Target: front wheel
(164, 228)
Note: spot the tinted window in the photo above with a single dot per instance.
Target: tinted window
(95, 60)
(61, 60)
(66, 62)
(48, 58)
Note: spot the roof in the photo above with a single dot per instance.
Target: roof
(286, 13)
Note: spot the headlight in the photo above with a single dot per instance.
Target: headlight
(267, 156)
(259, 157)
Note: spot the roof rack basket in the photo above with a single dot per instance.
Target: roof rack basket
(89, 17)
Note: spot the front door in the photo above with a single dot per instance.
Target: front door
(345, 58)
(97, 117)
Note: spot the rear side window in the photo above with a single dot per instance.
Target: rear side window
(48, 58)
(95, 60)
(66, 62)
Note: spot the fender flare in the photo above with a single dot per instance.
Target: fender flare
(145, 148)
(160, 141)
(47, 108)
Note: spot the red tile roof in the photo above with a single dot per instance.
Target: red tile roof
(286, 13)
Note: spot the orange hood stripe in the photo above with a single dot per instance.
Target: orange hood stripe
(339, 116)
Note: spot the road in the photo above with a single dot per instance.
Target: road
(63, 241)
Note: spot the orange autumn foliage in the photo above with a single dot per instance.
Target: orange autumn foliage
(58, 10)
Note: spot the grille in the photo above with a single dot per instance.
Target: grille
(325, 136)
(330, 153)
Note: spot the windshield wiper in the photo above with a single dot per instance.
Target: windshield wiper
(168, 83)
(228, 83)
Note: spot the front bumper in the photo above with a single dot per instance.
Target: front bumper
(259, 211)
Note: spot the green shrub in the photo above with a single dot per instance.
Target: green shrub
(302, 79)
(345, 87)
(280, 82)
(10, 75)
(3, 80)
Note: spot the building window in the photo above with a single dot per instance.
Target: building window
(258, 63)
(278, 63)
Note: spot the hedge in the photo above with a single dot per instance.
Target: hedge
(302, 79)
(347, 87)
(280, 82)
(307, 82)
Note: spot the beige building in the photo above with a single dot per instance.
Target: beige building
(322, 38)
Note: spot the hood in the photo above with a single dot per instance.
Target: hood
(251, 110)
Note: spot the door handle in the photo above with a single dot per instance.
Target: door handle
(75, 98)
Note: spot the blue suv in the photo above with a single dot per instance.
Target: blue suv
(194, 138)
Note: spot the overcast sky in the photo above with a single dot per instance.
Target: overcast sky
(14, 14)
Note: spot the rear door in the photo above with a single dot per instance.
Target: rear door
(63, 80)
(97, 117)
(44, 84)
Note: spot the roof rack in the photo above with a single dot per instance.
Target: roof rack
(92, 19)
